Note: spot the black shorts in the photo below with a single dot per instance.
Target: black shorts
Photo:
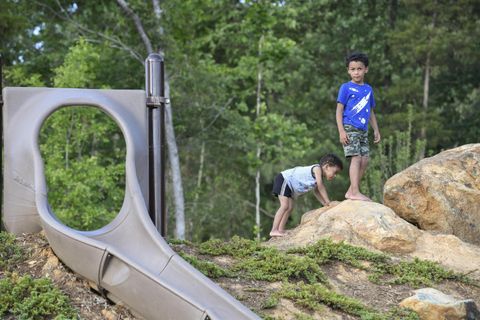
(280, 187)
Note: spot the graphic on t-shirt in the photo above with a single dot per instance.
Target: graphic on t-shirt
(360, 105)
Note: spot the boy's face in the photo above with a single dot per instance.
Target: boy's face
(330, 172)
(357, 70)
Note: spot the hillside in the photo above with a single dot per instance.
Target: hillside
(321, 281)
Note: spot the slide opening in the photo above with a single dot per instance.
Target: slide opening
(84, 153)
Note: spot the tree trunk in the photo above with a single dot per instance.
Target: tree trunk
(138, 24)
(257, 198)
(426, 91)
(177, 185)
(259, 150)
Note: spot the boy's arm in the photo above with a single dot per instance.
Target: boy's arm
(376, 132)
(320, 191)
(341, 131)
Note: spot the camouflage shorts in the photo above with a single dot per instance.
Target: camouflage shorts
(358, 144)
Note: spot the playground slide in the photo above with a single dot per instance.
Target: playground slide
(127, 259)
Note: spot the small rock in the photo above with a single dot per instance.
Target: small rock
(57, 274)
(51, 264)
(109, 315)
(431, 304)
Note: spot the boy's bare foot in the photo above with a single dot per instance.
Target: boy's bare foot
(357, 196)
(277, 233)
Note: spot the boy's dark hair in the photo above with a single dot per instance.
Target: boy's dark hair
(357, 56)
(332, 160)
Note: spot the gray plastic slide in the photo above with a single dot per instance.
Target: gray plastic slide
(127, 259)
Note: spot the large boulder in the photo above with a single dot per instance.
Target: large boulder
(441, 193)
(376, 227)
(368, 224)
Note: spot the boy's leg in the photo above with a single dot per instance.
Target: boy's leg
(286, 215)
(281, 212)
(358, 165)
(358, 154)
(363, 166)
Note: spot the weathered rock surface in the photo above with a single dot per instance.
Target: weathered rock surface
(441, 193)
(368, 224)
(376, 227)
(431, 304)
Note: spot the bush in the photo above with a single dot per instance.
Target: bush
(28, 298)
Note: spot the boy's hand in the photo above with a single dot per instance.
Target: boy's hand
(376, 136)
(344, 137)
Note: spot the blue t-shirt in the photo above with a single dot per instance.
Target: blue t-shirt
(357, 100)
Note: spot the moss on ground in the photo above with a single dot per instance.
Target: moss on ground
(24, 297)
(208, 268)
(10, 251)
(325, 250)
(315, 296)
(306, 284)
(28, 298)
(415, 273)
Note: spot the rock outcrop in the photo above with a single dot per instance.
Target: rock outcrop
(431, 304)
(376, 227)
(441, 193)
(367, 224)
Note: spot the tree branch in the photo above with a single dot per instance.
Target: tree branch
(138, 24)
(116, 42)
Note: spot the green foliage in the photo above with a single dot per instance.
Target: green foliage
(270, 302)
(236, 247)
(78, 68)
(416, 273)
(208, 268)
(303, 280)
(314, 296)
(214, 54)
(179, 242)
(10, 252)
(84, 154)
(270, 264)
(18, 75)
(28, 298)
(400, 313)
(325, 250)
(264, 263)
(83, 150)
(302, 316)
(392, 155)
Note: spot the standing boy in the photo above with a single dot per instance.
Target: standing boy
(355, 104)
(291, 183)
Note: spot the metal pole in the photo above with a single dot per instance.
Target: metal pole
(155, 92)
(1, 150)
